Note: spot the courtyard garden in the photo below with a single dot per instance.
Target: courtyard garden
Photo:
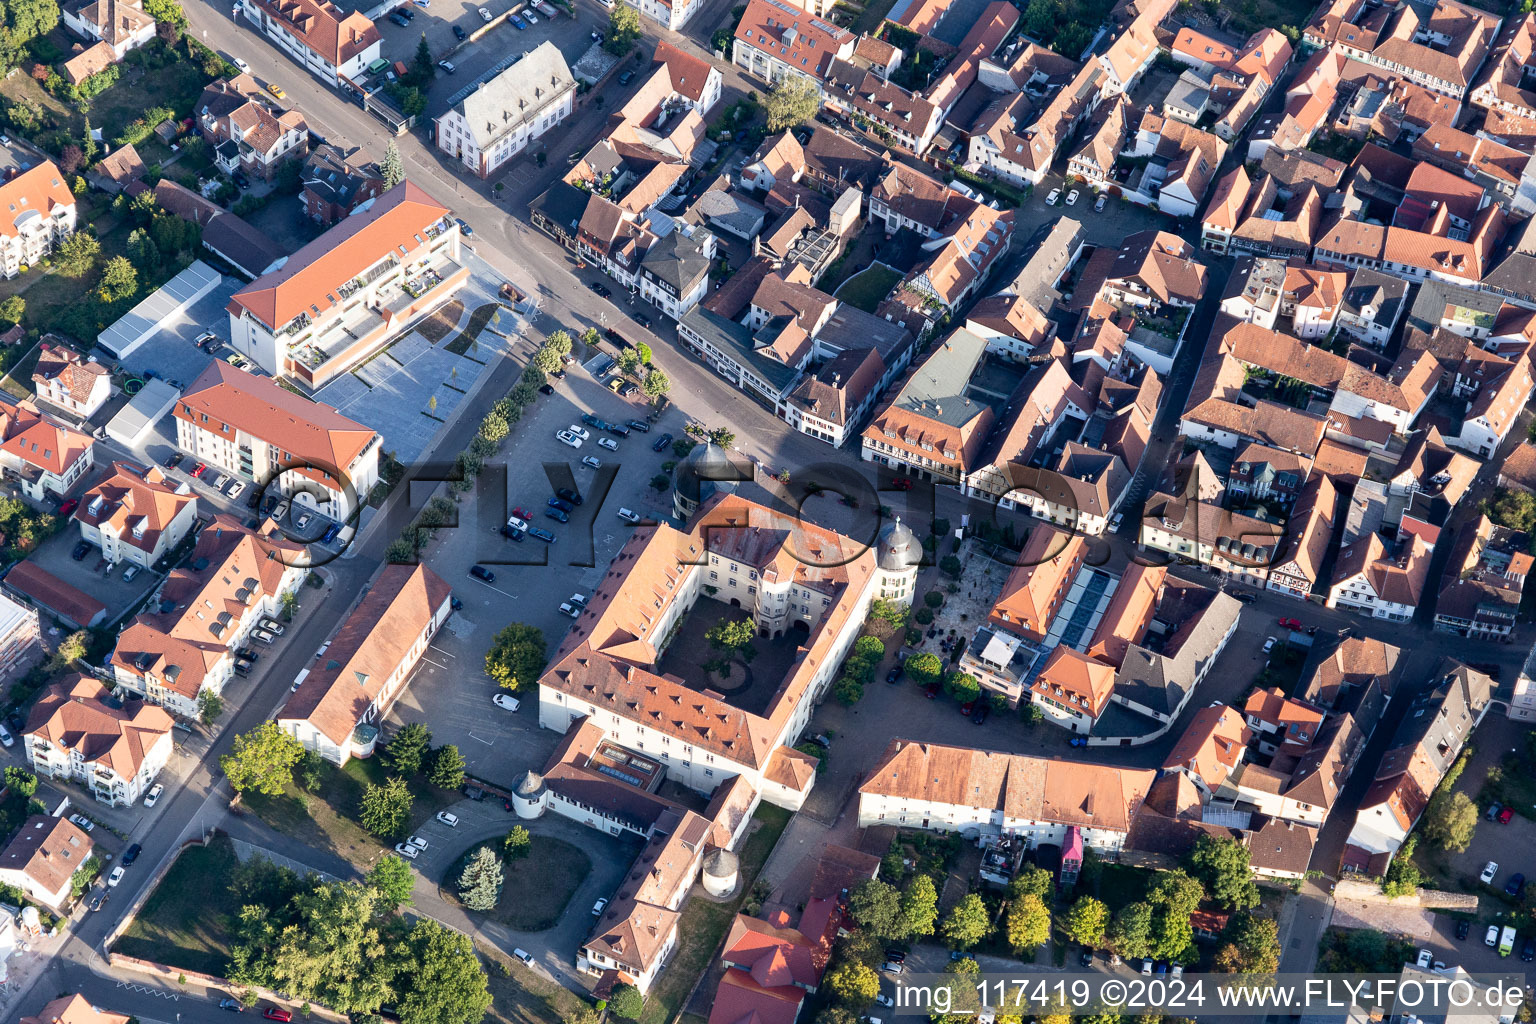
(538, 876)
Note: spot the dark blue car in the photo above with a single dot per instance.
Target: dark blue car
(561, 504)
(557, 515)
(543, 535)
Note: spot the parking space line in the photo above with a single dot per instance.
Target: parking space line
(479, 740)
(435, 664)
(440, 650)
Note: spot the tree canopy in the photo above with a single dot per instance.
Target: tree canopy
(1086, 921)
(967, 924)
(1028, 923)
(517, 656)
(262, 760)
(791, 102)
(875, 905)
(1222, 865)
(1450, 820)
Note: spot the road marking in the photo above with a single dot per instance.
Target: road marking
(479, 740)
(146, 990)
(440, 650)
(429, 661)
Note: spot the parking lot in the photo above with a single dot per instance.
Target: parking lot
(451, 692)
(472, 58)
(90, 574)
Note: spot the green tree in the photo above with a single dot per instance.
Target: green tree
(876, 905)
(962, 686)
(925, 668)
(1450, 820)
(853, 984)
(1032, 879)
(423, 69)
(386, 810)
(75, 256)
(311, 771)
(546, 359)
(444, 982)
(20, 782)
(391, 881)
(166, 12)
(644, 351)
(889, 612)
(560, 342)
(722, 437)
(623, 29)
(629, 363)
(118, 280)
(967, 923)
(407, 752)
(791, 102)
(1131, 933)
(393, 168)
(847, 691)
(516, 657)
(30, 19)
(517, 844)
(209, 707)
(919, 907)
(656, 382)
(625, 1000)
(13, 309)
(480, 883)
(333, 952)
(1222, 865)
(447, 767)
(1174, 897)
(1251, 945)
(733, 637)
(1028, 924)
(262, 760)
(1086, 921)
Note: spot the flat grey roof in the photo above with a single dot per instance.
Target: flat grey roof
(937, 388)
(139, 322)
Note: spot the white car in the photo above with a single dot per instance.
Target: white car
(1269, 644)
(1052, 199)
(153, 794)
(1489, 870)
(514, 523)
(116, 876)
(506, 701)
(451, 820)
(1492, 938)
(523, 956)
(235, 489)
(580, 432)
(570, 611)
(1072, 197)
(529, 18)
(406, 850)
(597, 908)
(301, 522)
(417, 842)
(566, 437)
(591, 461)
(629, 516)
(84, 823)
(242, 65)
(447, 65)
(6, 738)
(884, 1000)
(1425, 958)
(485, 15)
(609, 443)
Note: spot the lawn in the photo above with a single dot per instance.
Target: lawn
(328, 819)
(185, 922)
(868, 289)
(1252, 15)
(519, 996)
(477, 320)
(46, 293)
(1118, 885)
(535, 889)
(704, 923)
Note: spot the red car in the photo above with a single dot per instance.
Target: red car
(1506, 815)
(1291, 623)
(967, 708)
(902, 483)
(277, 1013)
(68, 507)
(199, 469)
(931, 691)
(522, 513)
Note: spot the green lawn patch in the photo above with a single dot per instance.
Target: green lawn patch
(520, 996)
(704, 923)
(49, 294)
(868, 289)
(328, 818)
(477, 321)
(1116, 884)
(186, 921)
(535, 889)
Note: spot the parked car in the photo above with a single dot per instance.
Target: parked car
(460, 34)
(82, 549)
(1463, 928)
(543, 535)
(1491, 939)
(271, 625)
(240, 63)
(523, 956)
(232, 1004)
(277, 1013)
(567, 494)
(608, 443)
(416, 841)
(447, 65)
(448, 818)
(132, 854)
(640, 425)
(1098, 206)
(661, 442)
(1515, 886)
(82, 822)
(276, 90)
(580, 432)
(628, 515)
(116, 876)
(506, 702)
(1425, 958)
(641, 319)
(626, 78)
(1290, 623)
(1269, 644)
(568, 438)
(153, 794)
(480, 572)
(485, 15)
(599, 906)
(1506, 815)
(518, 23)
(1489, 870)
(262, 636)
(570, 611)
(130, 572)
(557, 514)
(1051, 200)
(1072, 197)
(1493, 810)
(983, 709)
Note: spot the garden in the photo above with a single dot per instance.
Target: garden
(523, 881)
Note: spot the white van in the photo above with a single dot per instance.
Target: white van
(298, 680)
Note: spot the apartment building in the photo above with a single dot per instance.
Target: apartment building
(122, 25)
(1381, 581)
(350, 292)
(1441, 51)
(66, 380)
(506, 114)
(983, 793)
(134, 514)
(41, 215)
(334, 46)
(775, 39)
(262, 432)
(41, 455)
(184, 642)
(338, 711)
(42, 858)
(114, 749)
